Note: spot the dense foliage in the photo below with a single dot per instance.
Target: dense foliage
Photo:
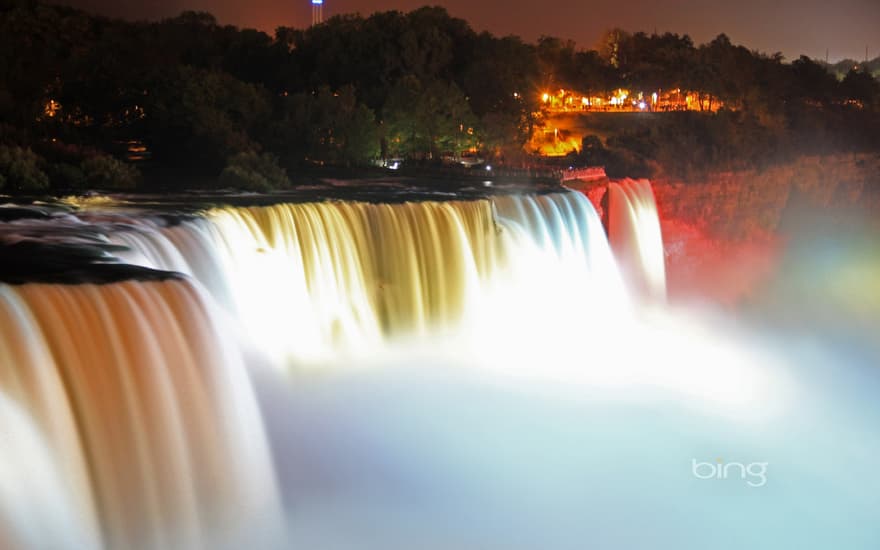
(20, 171)
(191, 97)
(254, 172)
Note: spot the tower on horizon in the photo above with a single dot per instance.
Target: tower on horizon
(317, 12)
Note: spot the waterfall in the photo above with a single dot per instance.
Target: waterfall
(309, 281)
(38, 506)
(146, 411)
(489, 373)
(129, 401)
(634, 232)
(41, 431)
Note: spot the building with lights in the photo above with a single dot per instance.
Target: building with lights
(620, 100)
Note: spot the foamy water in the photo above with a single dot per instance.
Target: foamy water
(464, 374)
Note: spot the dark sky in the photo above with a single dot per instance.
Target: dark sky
(843, 27)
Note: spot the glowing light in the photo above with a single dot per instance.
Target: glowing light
(545, 98)
(642, 105)
(52, 108)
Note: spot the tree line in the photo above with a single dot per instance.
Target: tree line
(89, 101)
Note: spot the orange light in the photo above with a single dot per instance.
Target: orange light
(52, 108)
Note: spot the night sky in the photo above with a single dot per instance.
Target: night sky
(843, 27)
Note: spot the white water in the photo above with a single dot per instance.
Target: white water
(132, 422)
(455, 375)
(634, 233)
(309, 282)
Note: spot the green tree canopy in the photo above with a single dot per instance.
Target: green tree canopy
(427, 119)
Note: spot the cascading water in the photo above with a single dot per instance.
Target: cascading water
(135, 412)
(139, 401)
(147, 413)
(38, 506)
(634, 232)
(308, 281)
(42, 436)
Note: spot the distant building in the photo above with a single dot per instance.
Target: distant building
(621, 101)
(317, 12)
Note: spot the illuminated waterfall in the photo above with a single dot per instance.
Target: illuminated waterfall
(130, 405)
(308, 281)
(37, 507)
(478, 374)
(39, 435)
(146, 411)
(634, 232)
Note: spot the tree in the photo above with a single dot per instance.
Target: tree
(501, 76)
(593, 152)
(500, 85)
(106, 172)
(652, 62)
(556, 62)
(373, 53)
(593, 74)
(252, 56)
(811, 82)
(20, 170)
(860, 86)
(425, 120)
(610, 46)
(341, 130)
(199, 118)
(502, 135)
(66, 176)
(252, 171)
(326, 126)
